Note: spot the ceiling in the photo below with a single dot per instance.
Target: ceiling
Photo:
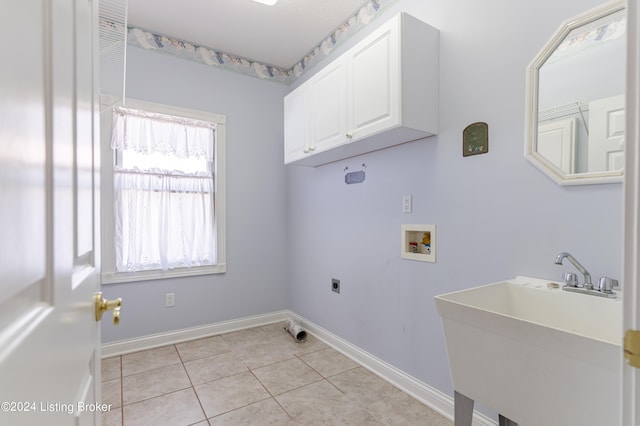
(278, 35)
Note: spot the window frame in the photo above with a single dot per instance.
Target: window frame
(109, 274)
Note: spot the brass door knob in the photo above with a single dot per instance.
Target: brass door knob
(632, 347)
(102, 305)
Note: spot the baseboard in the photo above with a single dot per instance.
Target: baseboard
(424, 393)
(122, 347)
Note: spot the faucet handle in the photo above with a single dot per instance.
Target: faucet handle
(570, 279)
(607, 285)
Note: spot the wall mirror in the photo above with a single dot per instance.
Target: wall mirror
(575, 111)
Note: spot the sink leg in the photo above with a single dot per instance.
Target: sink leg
(463, 410)
(503, 421)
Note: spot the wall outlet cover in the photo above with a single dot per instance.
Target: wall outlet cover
(170, 300)
(335, 285)
(407, 203)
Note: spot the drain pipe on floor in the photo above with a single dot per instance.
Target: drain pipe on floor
(296, 330)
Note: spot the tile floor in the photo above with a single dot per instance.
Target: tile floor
(259, 376)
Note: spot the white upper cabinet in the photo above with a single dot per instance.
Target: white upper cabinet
(374, 83)
(328, 106)
(380, 93)
(297, 124)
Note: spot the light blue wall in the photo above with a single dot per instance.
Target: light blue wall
(255, 282)
(496, 215)
(291, 229)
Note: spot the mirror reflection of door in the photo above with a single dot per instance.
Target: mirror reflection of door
(557, 143)
(606, 134)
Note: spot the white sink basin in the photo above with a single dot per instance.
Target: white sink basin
(535, 353)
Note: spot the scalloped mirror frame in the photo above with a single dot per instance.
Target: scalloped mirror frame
(531, 99)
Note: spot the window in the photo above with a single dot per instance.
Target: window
(167, 189)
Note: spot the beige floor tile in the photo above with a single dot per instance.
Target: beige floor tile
(111, 368)
(261, 354)
(286, 375)
(350, 417)
(358, 417)
(149, 384)
(263, 413)
(230, 393)
(328, 362)
(148, 360)
(312, 344)
(316, 403)
(276, 332)
(401, 409)
(112, 417)
(202, 348)
(112, 393)
(362, 387)
(179, 408)
(244, 338)
(312, 383)
(215, 367)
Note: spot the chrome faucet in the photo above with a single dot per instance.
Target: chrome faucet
(605, 285)
(587, 276)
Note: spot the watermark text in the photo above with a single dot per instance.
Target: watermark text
(53, 407)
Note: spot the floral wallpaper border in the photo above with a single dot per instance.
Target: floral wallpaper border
(165, 44)
(601, 31)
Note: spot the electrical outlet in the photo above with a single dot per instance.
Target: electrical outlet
(406, 203)
(170, 300)
(335, 285)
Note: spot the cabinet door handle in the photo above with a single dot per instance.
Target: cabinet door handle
(312, 148)
(349, 135)
(306, 151)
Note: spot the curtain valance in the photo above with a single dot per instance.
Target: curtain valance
(150, 132)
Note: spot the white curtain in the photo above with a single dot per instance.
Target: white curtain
(164, 219)
(149, 132)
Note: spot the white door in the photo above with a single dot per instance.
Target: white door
(556, 142)
(631, 297)
(49, 338)
(606, 134)
(631, 375)
(374, 82)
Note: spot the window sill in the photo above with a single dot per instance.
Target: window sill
(125, 277)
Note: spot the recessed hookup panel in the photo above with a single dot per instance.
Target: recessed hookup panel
(418, 242)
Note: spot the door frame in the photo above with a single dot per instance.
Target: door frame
(631, 249)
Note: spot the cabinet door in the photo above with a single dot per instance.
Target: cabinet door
(329, 107)
(374, 82)
(296, 124)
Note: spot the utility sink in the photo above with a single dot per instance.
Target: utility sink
(535, 353)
